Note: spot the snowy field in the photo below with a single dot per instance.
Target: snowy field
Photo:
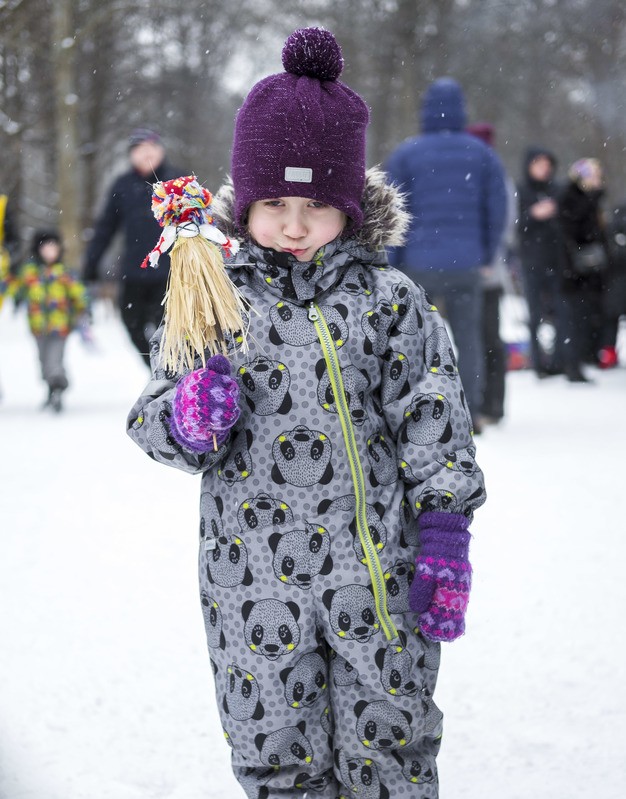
(105, 685)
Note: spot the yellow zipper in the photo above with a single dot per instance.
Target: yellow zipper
(369, 548)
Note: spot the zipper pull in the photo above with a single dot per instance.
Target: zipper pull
(313, 314)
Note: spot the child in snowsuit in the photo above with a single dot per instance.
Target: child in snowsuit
(342, 481)
(55, 301)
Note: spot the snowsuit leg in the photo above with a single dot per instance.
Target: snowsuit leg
(312, 696)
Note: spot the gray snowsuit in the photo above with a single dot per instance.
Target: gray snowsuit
(353, 421)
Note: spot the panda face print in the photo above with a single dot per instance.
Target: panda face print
(396, 669)
(159, 435)
(327, 721)
(406, 474)
(291, 324)
(302, 458)
(234, 341)
(265, 385)
(286, 747)
(398, 580)
(381, 453)
(306, 681)
(409, 530)
(242, 695)
(395, 376)
(380, 725)
(436, 499)
(460, 461)
(237, 465)
(305, 276)
(360, 776)
(427, 420)
(211, 526)
(355, 383)
(213, 622)
(335, 316)
(300, 555)
(352, 612)
(227, 562)
(343, 672)
(354, 281)
(377, 530)
(316, 784)
(377, 325)
(408, 318)
(416, 769)
(439, 355)
(262, 511)
(374, 517)
(271, 627)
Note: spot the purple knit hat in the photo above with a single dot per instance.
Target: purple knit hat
(301, 133)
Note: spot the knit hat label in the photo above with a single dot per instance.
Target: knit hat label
(298, 174)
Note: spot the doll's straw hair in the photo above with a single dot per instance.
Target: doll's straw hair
(202, 305)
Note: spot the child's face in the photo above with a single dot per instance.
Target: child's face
(297, 225)
(540, 168)
(49, 252)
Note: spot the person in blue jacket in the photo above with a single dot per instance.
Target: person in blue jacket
(456, 195)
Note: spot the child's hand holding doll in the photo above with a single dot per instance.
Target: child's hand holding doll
(205, 406)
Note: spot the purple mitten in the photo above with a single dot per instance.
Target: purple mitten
(443, 576)
(206, 404)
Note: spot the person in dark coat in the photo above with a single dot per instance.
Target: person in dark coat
(614, 286)
(580, 217)
(128, 210)
(457, 199)
(541, 252)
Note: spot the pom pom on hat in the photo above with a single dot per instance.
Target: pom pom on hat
(301, 133)
(313, 52)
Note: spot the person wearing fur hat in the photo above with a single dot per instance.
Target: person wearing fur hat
(127, 210)
(55, 301)
(338, 466)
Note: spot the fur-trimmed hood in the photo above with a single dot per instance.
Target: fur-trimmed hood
(385, 222)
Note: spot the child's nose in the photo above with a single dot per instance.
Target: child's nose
(294, 226)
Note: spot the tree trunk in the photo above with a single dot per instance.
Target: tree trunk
(66, 108)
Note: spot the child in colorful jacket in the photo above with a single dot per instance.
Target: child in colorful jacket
(338, 470)
(55, 301)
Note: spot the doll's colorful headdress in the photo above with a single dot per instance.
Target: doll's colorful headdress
(202, 305)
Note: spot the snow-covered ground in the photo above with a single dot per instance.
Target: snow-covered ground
(105, 686)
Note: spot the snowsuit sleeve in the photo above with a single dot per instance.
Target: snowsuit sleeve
(428, 416)
(148, 423)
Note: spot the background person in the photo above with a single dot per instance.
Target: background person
(541, 253)
(582, 285)
(55, 302)
(456, 196)
(127, 210)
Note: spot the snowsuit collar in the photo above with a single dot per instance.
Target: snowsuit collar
(303, 281)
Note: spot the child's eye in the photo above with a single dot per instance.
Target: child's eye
(316, 204)
(272, 203)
